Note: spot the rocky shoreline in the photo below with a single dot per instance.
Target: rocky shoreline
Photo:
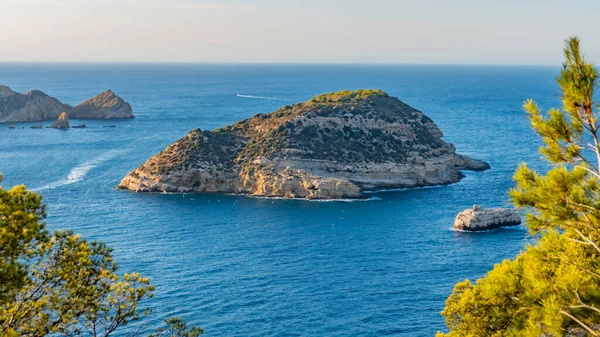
(334, 146)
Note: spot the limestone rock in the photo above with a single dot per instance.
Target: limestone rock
(479, 219)
(37, 106)
(62, 122)
(78, 126)
(37, 126)
(333, 146)
(106, 105)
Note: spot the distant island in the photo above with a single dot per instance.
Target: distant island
(37, 106)
(333, 146)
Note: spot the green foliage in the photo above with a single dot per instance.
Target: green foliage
(21, 230)
(175, 327)
(348, 95)
(61, 284)
(553, 287)
(310, 131)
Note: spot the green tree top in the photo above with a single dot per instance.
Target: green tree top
(553, 287)
(61, 284)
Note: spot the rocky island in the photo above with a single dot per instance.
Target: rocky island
(478, 219)
(37, 106)
(333, 146)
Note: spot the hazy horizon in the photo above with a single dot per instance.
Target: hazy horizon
(280, 63)
(433, 32)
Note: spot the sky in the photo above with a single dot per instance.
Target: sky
(302, 31)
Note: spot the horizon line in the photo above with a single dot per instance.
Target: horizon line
(281, 63)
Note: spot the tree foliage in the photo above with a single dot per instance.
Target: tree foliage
(175, 327)
(553, 287)
(61, 284)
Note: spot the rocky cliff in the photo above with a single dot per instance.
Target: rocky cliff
(333, 146)
(37, 106)
(479, 219)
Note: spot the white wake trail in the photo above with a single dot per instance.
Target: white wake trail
(79, 172)
(265, 97)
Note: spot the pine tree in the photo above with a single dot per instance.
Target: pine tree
(61, 284)
(553, 287)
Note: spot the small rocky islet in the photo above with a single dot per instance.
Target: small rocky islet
(62, 122)
(333, 146)
(37, 106)
(478, 219)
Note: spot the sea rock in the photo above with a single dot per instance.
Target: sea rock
(62, 122)
(37, 106)
(78, 126)
(37, 126)
(333, 146)
(479, 219)
(106, 105)
(12, 127)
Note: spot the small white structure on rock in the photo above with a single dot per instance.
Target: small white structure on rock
(479, 219)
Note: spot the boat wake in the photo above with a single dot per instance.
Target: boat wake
(79, 172)
(264, 97)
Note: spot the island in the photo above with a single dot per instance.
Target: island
(478, 219)
(37, 106)
(334, 146)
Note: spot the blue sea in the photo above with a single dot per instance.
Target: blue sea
(241, 266)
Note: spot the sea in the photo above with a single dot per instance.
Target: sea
(243, 266)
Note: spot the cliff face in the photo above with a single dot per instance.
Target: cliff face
(37, 106)
(333, 146)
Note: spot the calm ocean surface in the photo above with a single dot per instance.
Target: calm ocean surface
(240, 266)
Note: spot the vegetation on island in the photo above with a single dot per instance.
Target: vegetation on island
(61, 284)
(327, 127)
(553, 287)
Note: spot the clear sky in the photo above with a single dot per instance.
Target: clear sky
(304, 31)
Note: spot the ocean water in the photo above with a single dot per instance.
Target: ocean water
(241, 266)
